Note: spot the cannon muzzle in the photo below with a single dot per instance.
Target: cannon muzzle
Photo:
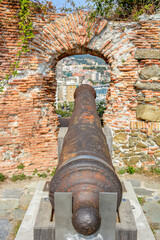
(85, 167)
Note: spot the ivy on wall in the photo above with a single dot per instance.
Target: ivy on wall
(25, 24)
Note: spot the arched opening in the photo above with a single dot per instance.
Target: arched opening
(74, 70)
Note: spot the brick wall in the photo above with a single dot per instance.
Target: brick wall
(28, 123)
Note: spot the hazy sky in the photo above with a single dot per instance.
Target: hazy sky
(62, 3)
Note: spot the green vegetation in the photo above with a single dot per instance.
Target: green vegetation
(26, 10)
(141, 200)
(26, 33)
(53, 172)
(19, 177)
(101, 107)
(155, 170)
(93, 82)
(122, 9)
(130, 169)
(122, 171)
(98, 69)
(16, 228)
(29, 177)
(65, 109)
(79, 58)
(21, 166)
(63, 113)
(2, 177)
(62, 109)
(42, 175)
(35, 171)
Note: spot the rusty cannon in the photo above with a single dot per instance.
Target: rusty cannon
(85, 167)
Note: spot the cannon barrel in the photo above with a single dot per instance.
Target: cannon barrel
(85, 167)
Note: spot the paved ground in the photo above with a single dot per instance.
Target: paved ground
(15, 198)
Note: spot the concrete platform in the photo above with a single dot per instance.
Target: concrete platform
(26, 229)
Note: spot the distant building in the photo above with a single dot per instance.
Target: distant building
(73, 71)
(61, 93)
(70, 89)
(101, 91)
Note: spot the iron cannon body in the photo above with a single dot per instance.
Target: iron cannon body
(85, 167)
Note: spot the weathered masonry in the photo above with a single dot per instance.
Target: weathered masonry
(28, 123)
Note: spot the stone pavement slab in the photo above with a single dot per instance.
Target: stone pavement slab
(12, 207)
(135, 182)
(18, 214)
(13, 193)
(5, 229)
(6, 206)
(26, 229)
(142, 191)
(157, 233)
(152, 210)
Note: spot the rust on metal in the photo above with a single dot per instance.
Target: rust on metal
(85, 167)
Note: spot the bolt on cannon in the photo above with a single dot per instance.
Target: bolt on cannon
(85, 167)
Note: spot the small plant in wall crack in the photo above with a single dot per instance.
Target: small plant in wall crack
(53, 172)
(122, 171)
(141, 200)
(21, 166)
(2, 177)
(19, 177)
(35, 171)
(130, 169)
(155, 170)
(25, 24)
(42, 175)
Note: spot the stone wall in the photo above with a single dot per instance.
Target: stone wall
(28, 123)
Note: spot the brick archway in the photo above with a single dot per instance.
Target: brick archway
(67, 36)
(28, 121)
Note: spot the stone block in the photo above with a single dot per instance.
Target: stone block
(132, 141)
(149, 86)
(147, 54)
(157, 139)
(148, 112)
(149, 72)
(150, 99)
(120, 137)
(133, 160)
(141, 145)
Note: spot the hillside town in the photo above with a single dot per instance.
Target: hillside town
(81, 69)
